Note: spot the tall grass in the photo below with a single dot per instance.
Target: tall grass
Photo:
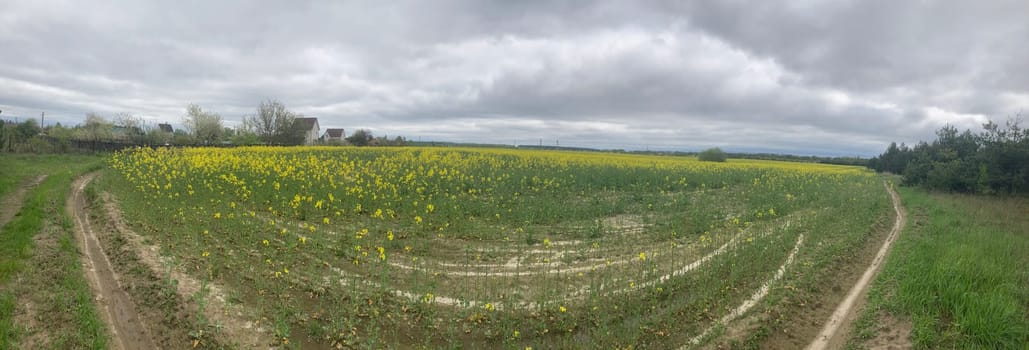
(959, 272)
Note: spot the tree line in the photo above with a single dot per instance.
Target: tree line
(271, 124)
(994, 161)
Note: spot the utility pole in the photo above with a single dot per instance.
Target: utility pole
(541, 142)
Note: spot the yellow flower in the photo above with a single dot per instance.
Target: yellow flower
(489, 307)
(546, 242)
(303, 240)
(205, 254)
(265, 242)
(325, 220)
(643, 256)
(389, 235)
(562, 309)
(217, 215)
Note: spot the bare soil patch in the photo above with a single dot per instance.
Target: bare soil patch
(10, 205)
(892, 334)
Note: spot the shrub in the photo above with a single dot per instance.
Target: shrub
(712, 155)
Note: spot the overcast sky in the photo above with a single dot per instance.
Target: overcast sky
(802, 77)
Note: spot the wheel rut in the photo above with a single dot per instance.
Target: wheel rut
(127, 328)
(836, 331)
(11, 204)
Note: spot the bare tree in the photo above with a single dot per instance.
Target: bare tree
(273, 123)
(206, 127)
(96, 127)
(133, 126)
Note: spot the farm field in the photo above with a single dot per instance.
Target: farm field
(447, 247)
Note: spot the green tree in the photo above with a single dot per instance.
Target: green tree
(361, 137)
(712, 155)
(242, 136)
(994, 161)
(26, 130)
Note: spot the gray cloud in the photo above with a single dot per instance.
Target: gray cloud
(841, 78)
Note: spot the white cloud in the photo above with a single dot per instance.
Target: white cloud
(810, 77)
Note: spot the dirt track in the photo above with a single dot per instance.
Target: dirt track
(835, 333)
(119, 312)
(234, 321)
(11, 204)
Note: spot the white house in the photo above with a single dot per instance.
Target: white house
(333, 134)
(311, 129)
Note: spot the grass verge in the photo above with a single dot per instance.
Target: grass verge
(957, 274)
(55, 294)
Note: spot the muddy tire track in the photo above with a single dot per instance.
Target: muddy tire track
(11, 204)
(127, 328)
(836, 331)
(234, 321)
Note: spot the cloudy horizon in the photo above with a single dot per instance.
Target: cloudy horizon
(839, 78)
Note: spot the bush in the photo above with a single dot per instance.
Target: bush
(712, 155)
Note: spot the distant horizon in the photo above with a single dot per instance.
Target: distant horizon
(594, 145)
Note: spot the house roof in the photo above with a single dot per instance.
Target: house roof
(309, 122)
(334, 132)
(165, 127)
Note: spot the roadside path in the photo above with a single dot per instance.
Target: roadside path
(835, 333)
(119, 312)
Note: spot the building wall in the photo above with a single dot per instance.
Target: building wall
(312, 135)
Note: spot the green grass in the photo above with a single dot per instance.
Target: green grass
(44, 209)
(958, 273)
(19, 168)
